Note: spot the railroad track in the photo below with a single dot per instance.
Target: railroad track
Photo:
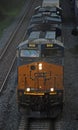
(40, 124)
(16, 29)
(36, 124)
(8, 55)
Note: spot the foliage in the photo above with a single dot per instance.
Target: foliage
(9, 9)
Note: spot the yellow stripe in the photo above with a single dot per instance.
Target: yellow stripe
(40, 94)
(53, 93)
(33, 93)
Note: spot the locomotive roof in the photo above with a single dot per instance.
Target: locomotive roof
(39, 34)
(50, 3)
(40, 26)
(40, 41)
(56, 10)
(48, 8)
(36, 19)
(47, 14)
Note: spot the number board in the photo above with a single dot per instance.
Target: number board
(32, 45)
(49, 45)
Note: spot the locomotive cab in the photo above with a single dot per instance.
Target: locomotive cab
(40, 74)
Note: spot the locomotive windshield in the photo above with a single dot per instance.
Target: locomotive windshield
(43, 50)
(49, 51)
(29, 53)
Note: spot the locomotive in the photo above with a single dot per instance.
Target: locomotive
(40, 61)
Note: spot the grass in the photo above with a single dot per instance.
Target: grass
(9, 16)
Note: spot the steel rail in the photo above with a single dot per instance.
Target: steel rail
(8, 74)
(25, 14)
(36, 124)
(14, 33)
(12, 53)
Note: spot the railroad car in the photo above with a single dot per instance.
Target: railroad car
(51, 3)
(40, 60)
(46, 19)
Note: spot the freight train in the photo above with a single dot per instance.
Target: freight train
(40, 61)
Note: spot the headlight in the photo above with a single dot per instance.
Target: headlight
(28, 89)
(51, 89)
(40, 66)
(57, 12)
